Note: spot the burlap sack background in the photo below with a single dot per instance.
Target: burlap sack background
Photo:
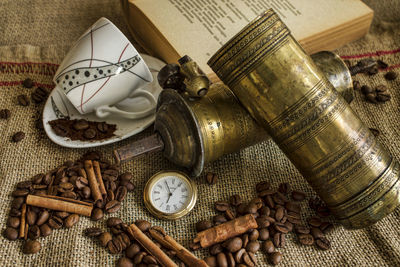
(34, 37)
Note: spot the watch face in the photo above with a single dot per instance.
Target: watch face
(170, 194)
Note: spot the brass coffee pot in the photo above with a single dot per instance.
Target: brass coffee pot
(194, 131)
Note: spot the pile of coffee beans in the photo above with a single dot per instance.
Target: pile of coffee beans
(277, 212)
(83, 130)
(117, 241)
(64, 181)
(369, 66)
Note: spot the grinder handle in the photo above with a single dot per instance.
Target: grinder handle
(146, 145)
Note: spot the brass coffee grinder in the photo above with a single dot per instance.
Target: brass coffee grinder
(197, 123)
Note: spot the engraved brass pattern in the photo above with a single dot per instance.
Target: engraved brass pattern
(289, 96)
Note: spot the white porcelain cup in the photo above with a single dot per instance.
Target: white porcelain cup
(102, 69)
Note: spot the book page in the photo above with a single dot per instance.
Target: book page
(208, 24)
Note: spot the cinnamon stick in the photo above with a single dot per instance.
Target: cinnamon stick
(26, 231)
(94, 185)
(226, 230)
(97, 171)
(149, 246)
(61, 204)
(22, 223)
(168, 242)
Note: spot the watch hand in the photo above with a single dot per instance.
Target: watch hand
(176, 188)
(169, 196)
(169, 190)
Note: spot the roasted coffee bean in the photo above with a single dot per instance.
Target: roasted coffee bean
(293, 217)
(5, 114)
(86, 192)
(220, 218)
(104, 238)
(114, 246)
(365, 89)
(293, 206)
(47, 179)
(253, 246)
(13, 222)
(279, 213)
(102, 127)
(383, 97)
(31, 217)
(264, 234)
(24, 185)
(112, 206)
(17, 202)
(266, 211)
(289, 225)
(124, 262)
(18, 136)
(356, 85)
(254, 235)
(65, 186)
(55, 223)
(263, 222)
(45, 230)
(371, 97)
(261, 186)
(60, 130)
(121, 241)
(31, 247)
(382, 64)
(28, 83)
(279, 240)
(34, 232)
(211, 178)
(215, 249)
(249, 259)
(11, 233)
(130, 186)
(230, 214)
(71, 220)
(323, 211)
(113, 221)
(23, 100)
(233, 244)
(323, 243)
(269, 202)
(284, 188)
(268, 247)
(230, 259)
(72, 195)
(317, 233)
(381, 88)
(235, 200)
(391, 75)
(143, 225)
(62, 214)
(203, 225)
(139, 257)
(251, 208)
(132, 250)
(43, 217)
(126, 176)
(148, 259)
(314, 221)
(301, 229)
(306, 239)
(326, 227)
(279, 199)
(121, 193)
(211, 261)
(222, 260)
(245, 240)
(97, 214)
(20, 193)
(15, 212)
(280, 227)
(93, 232)
(80, 125)
(298, 196)
(241, 209)
(221, 206)
(275, 258)
(89, 133)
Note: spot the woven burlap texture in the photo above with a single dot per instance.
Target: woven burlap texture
(48, 29)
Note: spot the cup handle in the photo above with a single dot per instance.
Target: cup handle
(106, 111)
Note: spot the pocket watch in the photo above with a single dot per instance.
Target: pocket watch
(170, 195)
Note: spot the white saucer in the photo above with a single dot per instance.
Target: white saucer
(57, 106)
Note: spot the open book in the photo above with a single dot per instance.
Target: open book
(170, 29)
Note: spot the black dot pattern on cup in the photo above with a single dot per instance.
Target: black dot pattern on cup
(76, 77)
